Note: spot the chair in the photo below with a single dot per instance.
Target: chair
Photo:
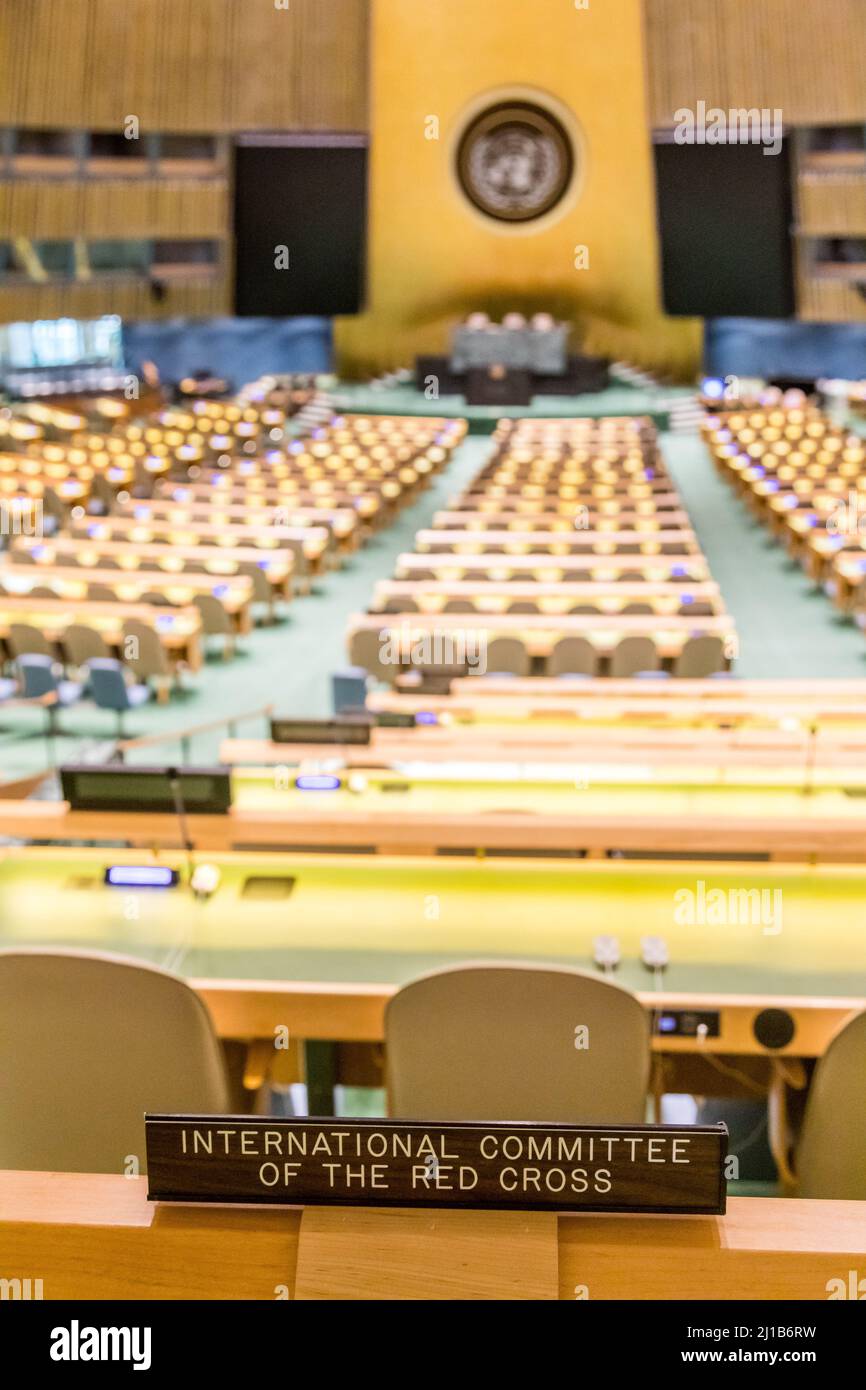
(349, 689)
(632, 656)
(215, 622)
(102, 593)
(459, 605)
(146, 657)
(573, 656)
(156, 597)
(701, 609)
(365, 650)
(637, 609)
(42, 591)
(497, 1042)
(24, 640)
(588, 609)
(831, 1154)
(523, 605)
(81, 644)
(399, 605)
(109, 689)
(38, 678)
(701, 656)
(507, 655)
(88, 1043)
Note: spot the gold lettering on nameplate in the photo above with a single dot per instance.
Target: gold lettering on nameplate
(641, 1168)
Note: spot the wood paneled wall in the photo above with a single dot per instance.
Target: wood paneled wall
(109, 208)
(178, 65)
(832, 204)
(826, 300)
(129, 298)
(807, 57)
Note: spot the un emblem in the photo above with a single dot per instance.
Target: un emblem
(515, 161)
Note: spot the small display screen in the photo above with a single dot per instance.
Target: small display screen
(201, 791)
(141, 876)
(317, 782)
(320, 731)
(395, 719)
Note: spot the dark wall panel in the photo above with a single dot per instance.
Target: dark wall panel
(310, 196)
(725, 227)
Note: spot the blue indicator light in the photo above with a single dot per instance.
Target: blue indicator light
(666, 1023)
(317, 782)
(141, 876)
(426, 716)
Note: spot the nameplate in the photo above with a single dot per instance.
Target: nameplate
(399, 1163)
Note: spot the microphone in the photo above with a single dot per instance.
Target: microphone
(174, 782)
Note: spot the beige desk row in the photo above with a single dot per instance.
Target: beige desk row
(97, 1237)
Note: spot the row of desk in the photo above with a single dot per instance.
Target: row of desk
(803, 477)
(570, 492)
(97, 1237)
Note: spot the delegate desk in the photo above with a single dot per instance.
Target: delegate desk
(847, 577)
(178, 629)
(540, 633)
(342, 520)
(327, 939)
(75, 582)
(813, 704)
(553, 568)
(566, 541)
(271, 571)
(595, 753)
(530, 809)
(490, 596)
(639, 517)
(313, 543)
(96, 1236)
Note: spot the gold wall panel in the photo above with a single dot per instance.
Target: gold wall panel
(113, 208)
(131, 299)
(828, 300)
(432, 257)
(178, 65)
(831, 204)
(807, 57)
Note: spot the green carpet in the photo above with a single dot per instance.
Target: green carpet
(785, 628)
(617, 399)
(288, 665)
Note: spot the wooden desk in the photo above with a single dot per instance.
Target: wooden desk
(567, 541)
(686, 569)
(600, 518)
(270, 570)
(553, 599)
(73, 583)
(540, 633)
(314, 543)
(97, 1237)
(178, 629)
(550, 702)
(343, 521)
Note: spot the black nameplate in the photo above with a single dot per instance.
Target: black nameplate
(403, 1163)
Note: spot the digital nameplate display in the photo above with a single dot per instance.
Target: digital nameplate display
(401, 1163)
